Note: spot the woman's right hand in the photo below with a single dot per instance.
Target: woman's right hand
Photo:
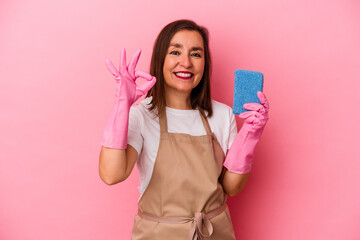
(127, 92)
(126, 88)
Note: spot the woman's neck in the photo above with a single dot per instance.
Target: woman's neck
(178, 100)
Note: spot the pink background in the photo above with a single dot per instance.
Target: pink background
(56, 94)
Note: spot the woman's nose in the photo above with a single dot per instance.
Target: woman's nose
(185, 61)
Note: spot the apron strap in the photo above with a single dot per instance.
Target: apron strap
(163, 122)
(205, 122)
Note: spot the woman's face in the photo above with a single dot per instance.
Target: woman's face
(184, 62)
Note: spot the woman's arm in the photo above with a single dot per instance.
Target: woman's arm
(117, 158)
(238, 160)
(233, 183)
(115, 165)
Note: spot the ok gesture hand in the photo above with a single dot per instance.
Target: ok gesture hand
(126, 88)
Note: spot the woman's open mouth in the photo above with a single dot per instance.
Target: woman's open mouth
(184, 75)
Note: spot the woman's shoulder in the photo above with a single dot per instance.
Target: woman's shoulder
(142, 108)
(144, 104)
(220, 108)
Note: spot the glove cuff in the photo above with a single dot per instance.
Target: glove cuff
(116, 129)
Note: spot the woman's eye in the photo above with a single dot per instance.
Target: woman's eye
(174, 52)
(196, 55)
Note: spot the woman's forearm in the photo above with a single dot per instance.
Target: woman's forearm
(233, 183)
(116, 165)
(112, 165)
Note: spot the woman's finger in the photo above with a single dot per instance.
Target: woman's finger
(244, 114)
(111, 68)
(122, 66)
(133, 63)
(249, 114)
(252, 120)
(263, 100)
(144, 87)
(254, 106)
(143, 75)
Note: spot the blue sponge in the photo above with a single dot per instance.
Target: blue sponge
(247, 84)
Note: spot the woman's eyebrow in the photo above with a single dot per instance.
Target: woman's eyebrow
(178, 45)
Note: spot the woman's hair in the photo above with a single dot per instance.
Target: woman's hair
(200, 96)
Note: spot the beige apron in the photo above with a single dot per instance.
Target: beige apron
(184, 199)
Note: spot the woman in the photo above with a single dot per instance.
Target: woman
(179, 136)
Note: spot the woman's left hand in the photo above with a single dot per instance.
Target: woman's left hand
(240, 156)
(259, 114)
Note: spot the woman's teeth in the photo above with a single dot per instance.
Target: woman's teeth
(183, 74)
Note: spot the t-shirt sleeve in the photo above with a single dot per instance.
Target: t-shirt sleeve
(233, 129)
(135, 138)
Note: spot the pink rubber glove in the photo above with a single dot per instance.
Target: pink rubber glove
(127, 92)
(240, 156)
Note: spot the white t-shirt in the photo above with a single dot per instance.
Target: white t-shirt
(144, 131)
